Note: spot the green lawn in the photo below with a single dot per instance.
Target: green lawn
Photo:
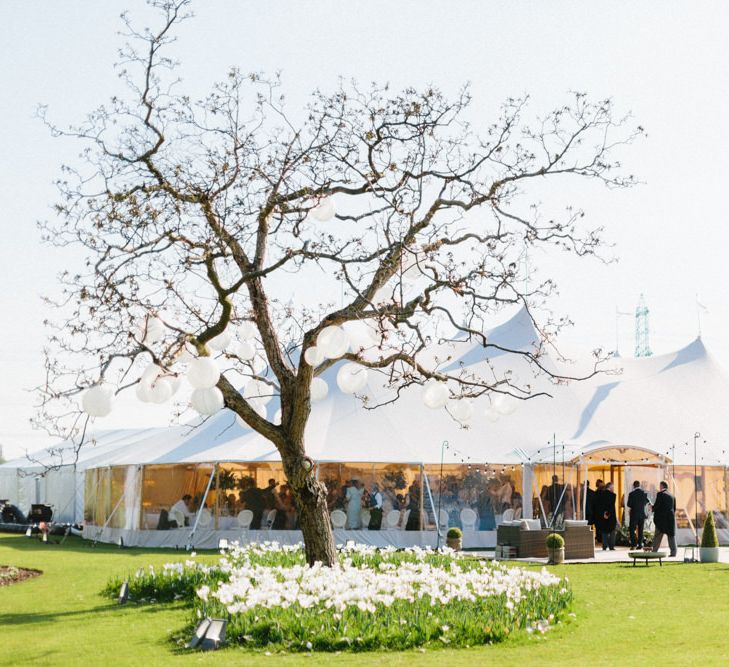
(677, 614)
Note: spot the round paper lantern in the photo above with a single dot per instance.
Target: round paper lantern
(220, 342)
(492, 415)
(246, 350)
(325, 211)
(258, 391)
(154, 330)
(96, 401)
(314, 356)
(319, 389)
(352, 378)
(435, 394)
(247, 330)
(362, 335)
(461, 409)
(333, 342)
(150, 374)
(160, 391)
(143, 392)
(504, 405)
(175, 382)
(203, 373)
(207, 401)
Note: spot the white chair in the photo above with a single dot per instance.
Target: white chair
(392, 519)
(444, 519)
(178, 517)
(206, 518)
(517, 513)
(339, 519)
(245, 519)
(508, 515)
(270, 518)
(365, 519)
(468, 518)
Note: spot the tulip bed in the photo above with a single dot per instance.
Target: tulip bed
(372, 599)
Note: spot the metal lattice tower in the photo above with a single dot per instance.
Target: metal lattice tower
(642, 329)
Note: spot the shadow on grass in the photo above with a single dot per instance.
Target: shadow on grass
(74, 544)
(51, 616)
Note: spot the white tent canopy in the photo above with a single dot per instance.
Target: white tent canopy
(652, 404)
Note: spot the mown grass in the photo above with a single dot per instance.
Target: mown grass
(675, 614)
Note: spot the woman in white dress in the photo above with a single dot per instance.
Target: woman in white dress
(354, 505)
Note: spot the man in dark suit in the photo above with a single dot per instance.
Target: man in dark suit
(637, 500)
(664, 516)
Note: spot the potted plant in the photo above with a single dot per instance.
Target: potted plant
(454, 539)
(709, 550)
(555, 548)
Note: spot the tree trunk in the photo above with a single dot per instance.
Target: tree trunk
(311, 504)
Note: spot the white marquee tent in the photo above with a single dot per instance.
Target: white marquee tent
(642, 412)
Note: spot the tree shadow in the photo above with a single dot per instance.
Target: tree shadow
(9, 619)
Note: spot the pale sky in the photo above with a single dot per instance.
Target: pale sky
(667, 62)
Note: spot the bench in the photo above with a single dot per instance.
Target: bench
(648, 555)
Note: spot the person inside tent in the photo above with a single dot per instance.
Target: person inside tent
(184, 506)
(354, 505)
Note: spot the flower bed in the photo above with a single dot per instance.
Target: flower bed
(373, 598)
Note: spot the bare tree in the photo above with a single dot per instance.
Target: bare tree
(203, 213)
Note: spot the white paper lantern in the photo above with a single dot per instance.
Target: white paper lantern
(207, 401)
(325, 211)
(160, 391)
(319, 389)
(246, 350)
(504, 405)
(96, 401)
(333, 342)
(314, 356)
(203, 373)
(150, 374)
(247, 330)
(362, 335)
(220, 342)
(175, 382)
(143, 392)
(261, 392)
(435, 394)
(492, 415)
(352, 378)
(153, 331)
(460, 409)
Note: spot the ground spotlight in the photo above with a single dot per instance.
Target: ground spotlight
(209, 634)
(124, 593)
(29, 532)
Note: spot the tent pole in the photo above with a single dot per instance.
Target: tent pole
(422, 499)
(440, 493)
(202, 505)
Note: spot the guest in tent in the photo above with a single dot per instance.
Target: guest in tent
(413, 504)
(185, 507)
(375, 507)
(354, 505)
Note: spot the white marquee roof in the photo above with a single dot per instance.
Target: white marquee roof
(652, 404)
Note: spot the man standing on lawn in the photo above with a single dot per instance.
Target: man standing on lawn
(637, 500)
(664, 516)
